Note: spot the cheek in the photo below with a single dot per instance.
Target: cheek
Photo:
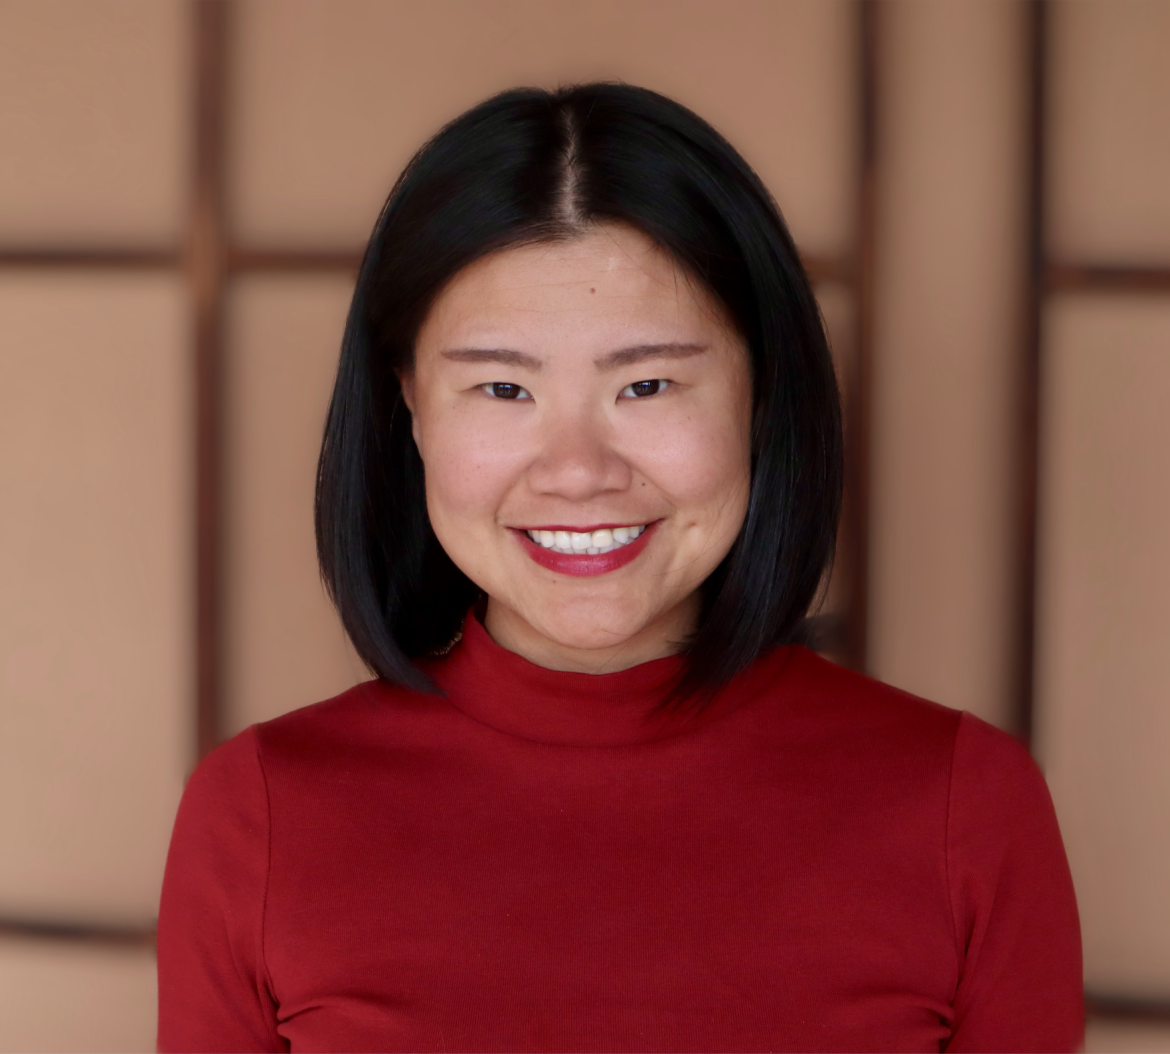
(471, 463)
(699, 458)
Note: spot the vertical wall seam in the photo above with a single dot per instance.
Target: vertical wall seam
(860, 388)
(206, 258)
(1028, 428)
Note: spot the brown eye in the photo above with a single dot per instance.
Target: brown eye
(503, 390)
(640, 389)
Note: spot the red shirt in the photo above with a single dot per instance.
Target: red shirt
(817, 862)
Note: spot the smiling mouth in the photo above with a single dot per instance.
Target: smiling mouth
(585, 553)
(585, 543)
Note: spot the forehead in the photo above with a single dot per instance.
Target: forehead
(606, 281)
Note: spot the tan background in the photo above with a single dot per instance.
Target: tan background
(325, 101)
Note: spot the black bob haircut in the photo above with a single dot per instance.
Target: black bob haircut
(529, 166)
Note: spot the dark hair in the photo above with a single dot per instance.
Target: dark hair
(528, 166)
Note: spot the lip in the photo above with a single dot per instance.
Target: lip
(576, 530)
(584, 565)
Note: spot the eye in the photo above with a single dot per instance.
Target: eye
(503, 390)
(640, 389)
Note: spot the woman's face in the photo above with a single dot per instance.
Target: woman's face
(582, 411)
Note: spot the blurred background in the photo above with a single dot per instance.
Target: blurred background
(980, 191)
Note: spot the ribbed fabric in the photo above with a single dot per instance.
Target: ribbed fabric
(530, 863)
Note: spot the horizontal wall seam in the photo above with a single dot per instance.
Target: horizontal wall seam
(75, 932)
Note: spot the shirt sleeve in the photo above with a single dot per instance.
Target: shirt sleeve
(1016, 927)
(214, 992)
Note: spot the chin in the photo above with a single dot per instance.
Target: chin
(590, 624)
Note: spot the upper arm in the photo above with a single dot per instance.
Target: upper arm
(214, 991)
(1012, 898)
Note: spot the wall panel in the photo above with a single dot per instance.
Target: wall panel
(334, 97)
(1109, 157)
(1126, 1037)
(93, 122)
(949, 273)
(286, 647)
(1103, 663)
(68, 997)
(94, 574)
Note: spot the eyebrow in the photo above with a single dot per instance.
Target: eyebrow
(501, 355)
(614, 360)
(641, 352)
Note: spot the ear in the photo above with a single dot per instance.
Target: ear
(406, 382)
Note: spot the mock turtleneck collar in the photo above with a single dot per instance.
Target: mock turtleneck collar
(504, 690)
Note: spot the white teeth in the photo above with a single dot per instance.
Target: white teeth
(586, 543)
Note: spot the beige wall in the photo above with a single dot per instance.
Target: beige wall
(94, 622)
(66, 996)
(1103, 681)
(327, 99)
(1104, 669)
(285, 645)
(948, 273)
(367, 82)
(93, 118)
(1110, 158)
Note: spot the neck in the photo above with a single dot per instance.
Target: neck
(658, 639)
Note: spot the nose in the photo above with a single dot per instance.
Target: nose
(577, 460)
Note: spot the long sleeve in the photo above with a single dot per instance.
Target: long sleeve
(1012, 898)
(214, 992)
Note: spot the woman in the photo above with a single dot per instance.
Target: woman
(598, 797)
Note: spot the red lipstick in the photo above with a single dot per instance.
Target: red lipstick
(583, 564)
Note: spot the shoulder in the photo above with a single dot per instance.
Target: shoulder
(242, 764)
(984, 752)
(229, 780)
(993, 785)
(368, 724)
(987, 769)
(871, 746)
(998, 793)
(839, 704)
(220, 835)
(336, 716)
